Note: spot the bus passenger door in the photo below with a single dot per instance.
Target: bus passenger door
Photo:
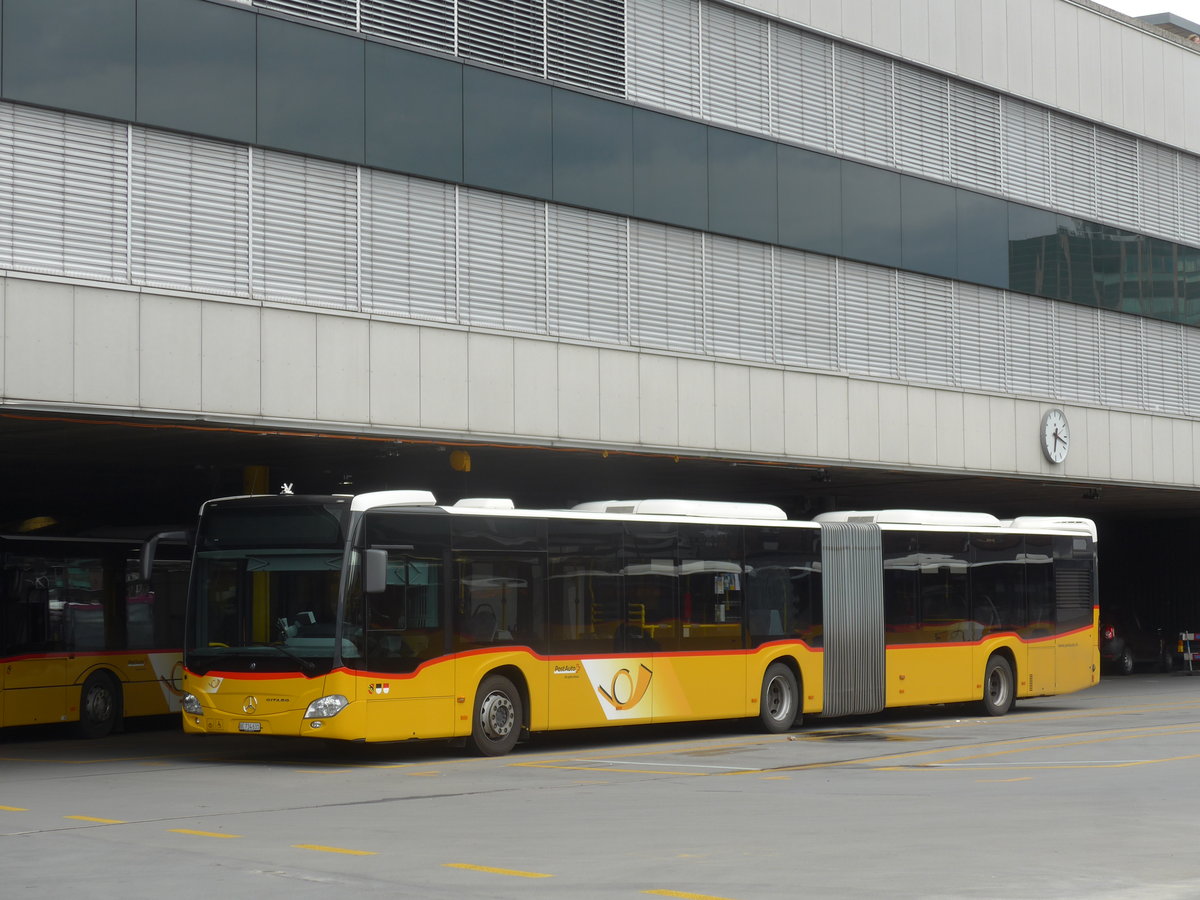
(1039, 633)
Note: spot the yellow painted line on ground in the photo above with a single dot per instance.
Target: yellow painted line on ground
(666, 893)
(425, 774)
(516, 873)
(101, 821)
(214, 834)
(624, 771)
(14, 809)
(321, 849)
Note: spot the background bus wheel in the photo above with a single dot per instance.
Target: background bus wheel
(1125, 662)
(779, 705)
(497, 722)
(997, 687)
(99, 705)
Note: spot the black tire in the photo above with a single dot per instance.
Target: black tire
(99, 705)
(498, 717)
(1168, 662)
(779, 702)
(998, 693)
(1124, 663)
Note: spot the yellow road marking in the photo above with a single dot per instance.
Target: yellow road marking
(515, 872)
(215, 834)
(425, 774)
(14, 809)
(321, 849)
(93, 819)
(666, 893)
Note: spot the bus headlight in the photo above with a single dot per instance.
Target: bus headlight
(190, 704)
(326, 707)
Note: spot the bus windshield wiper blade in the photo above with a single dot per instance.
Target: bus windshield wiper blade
(306, 664)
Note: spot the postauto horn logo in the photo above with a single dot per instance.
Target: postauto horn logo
(621, 685)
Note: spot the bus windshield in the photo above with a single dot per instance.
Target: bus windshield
(265, 592)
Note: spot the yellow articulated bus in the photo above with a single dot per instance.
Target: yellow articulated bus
(84, 638)
(386, 617)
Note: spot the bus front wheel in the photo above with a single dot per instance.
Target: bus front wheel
(997, 687)
(497, 722)
(779, 704)
(99, 705)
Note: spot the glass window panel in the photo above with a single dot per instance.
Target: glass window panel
(982, 239)
(711, 588)
(1032, 235)
(498, 600)
(944, 606)
(310, 90)
(401, 627)
(929, 227)
(506, 133)
(585, 589)
(195, 62)
(901, 590)
(670, 170)
(498, 533)
(997, 583)
(743, 190)
(810, 200)
(783, 584)
(651, 588)
(593, 152)
(871, 214)
(414, 113)
(71, 54)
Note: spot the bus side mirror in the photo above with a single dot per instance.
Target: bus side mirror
(150, 547)
(375, 571)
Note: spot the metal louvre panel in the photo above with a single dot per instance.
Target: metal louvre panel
(664, 54)
(508, 33)
(975, 137)
(922, 122)
(1117, 177)
(927, 327)
(343, 13)
(1189, 198)
(305, 230)
(190, 202)
(808, 327)
(589, 267)
(65, 183)
(1073, 164)
(1076, 363)
(667, 287)
(408, 254)
(502, 261)
(740, 281)
(1121, 349)
(1026, 131)
(1031, 346)
(735, 65)
(1159, 180)
(852, 589)
(585, 44)
(867, 321)
(803, 87)
(981, 336)
(1163, 352)
(865, 113)
(424, 23)
(1191, 370)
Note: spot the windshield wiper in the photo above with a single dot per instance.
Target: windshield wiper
(306, 664)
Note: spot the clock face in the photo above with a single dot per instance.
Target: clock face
(1056, 436)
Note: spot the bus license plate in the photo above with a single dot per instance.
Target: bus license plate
(249, 726)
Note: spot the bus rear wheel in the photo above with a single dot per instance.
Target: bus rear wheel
(779, 703)
(998, 692)
(99, 705)
(497, 722)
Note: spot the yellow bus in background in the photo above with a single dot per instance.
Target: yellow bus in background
(386, 617)
(83, 638)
